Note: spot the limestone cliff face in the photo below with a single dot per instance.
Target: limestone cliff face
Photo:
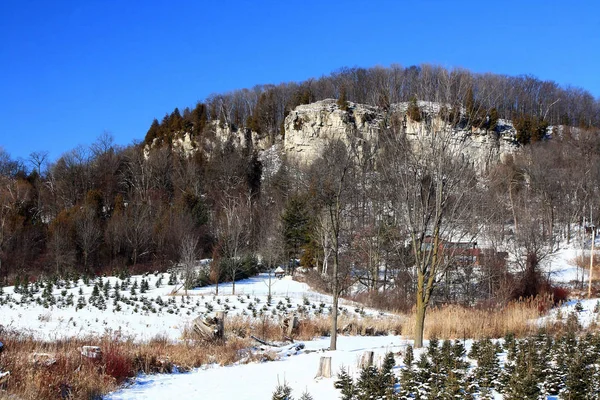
(310, 127)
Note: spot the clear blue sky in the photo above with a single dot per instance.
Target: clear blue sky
(70, 70)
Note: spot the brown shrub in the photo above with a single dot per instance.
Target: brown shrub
(117, 365)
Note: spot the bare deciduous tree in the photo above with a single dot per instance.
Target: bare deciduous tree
(432, 188)
(187, 258)
(88, 235)
(331, 180)
(233, 233)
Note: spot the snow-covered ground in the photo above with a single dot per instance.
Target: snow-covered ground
(258, 380)
(588, 313)
(561, 266)
(72, 311)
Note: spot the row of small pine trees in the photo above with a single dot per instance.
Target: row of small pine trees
(534, 368)
(519, 369)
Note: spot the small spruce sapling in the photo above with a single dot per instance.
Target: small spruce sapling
(345, 383)
(282, 392)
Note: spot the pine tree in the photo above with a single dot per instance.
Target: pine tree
(524, 384)
(439, 367)
(578, 382)
(423, 377)
(488, 367)
(306, 396)
(81, 303)
(407, 375)
(282, 392)
(387, 378)
(345, 383)
(106, 288)
(414, 112)
(342, 101)
(296, 226)
(367, 385)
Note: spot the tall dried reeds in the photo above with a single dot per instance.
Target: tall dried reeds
(457, 322)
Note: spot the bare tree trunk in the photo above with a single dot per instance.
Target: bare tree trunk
(419, 317)
(334, 311)
(512, 206)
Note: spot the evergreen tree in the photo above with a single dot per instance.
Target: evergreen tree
(414, 112)
(407, 375)
(368, 384)
(106, 288)
(296, 226)
(578, 382)
(488, 367)
(345, 383)
(153, 132)
(423, 378)
(306, 396)
(342, 101)
(95, 292)
(387, 379)
(282, 392)
(524, 383)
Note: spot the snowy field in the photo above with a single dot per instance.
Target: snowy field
(142, 307)
(258, 380)
(136, 308)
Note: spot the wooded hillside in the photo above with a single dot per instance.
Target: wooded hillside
(363, 215)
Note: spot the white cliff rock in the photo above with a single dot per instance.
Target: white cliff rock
(310, 127)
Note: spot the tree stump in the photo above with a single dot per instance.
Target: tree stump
(290, 326)
(367, 359)
(210, 328)
(324, 370)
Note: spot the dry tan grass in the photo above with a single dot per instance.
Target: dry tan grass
(87, 379)
(456, 322)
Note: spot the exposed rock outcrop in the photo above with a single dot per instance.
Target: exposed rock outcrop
(310, 127)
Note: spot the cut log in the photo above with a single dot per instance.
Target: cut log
(324, 370)
(210, 328)
(42, 359)
(93, 352)
(265, 342)
(367, 359)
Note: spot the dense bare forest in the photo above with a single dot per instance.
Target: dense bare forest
(367, 216)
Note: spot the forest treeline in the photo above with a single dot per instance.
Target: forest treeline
(263, 108)
(107, 208)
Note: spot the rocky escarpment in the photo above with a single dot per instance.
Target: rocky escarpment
(310, 127)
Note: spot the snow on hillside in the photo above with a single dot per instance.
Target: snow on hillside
(561, 266)
(72, 310)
